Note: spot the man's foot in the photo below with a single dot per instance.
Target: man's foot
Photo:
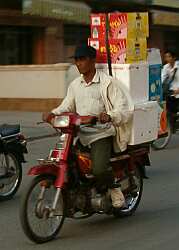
(117, 197)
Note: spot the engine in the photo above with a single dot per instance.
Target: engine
(88, 201)
(78, 200)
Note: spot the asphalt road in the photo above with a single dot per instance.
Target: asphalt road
(154, 226)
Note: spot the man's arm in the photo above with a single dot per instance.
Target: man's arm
(68, 104)
(122, 107)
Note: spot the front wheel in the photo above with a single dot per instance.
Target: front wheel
(132, 199)
(39, 222)
(10, 175)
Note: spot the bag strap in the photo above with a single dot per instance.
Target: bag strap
(173, 77)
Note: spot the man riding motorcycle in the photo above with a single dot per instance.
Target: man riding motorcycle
(97, 94)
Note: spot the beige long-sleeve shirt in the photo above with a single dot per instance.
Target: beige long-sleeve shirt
(86, 99)
(113, 97)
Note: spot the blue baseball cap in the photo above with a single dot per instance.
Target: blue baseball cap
(84, 51)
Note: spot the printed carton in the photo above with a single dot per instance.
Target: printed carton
(98, 26)
(121, 25)
(121, 50)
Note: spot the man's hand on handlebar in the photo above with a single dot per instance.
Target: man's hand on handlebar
(104, 117)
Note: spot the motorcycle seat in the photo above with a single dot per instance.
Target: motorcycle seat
(9, 130)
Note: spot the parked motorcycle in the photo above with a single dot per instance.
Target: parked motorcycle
(65, 187)
(12, 149)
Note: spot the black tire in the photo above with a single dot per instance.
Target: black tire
(10, 185)
(25, 217)
(161, 143)
(130, 199)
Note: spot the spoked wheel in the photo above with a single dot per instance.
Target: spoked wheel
(163, 141)
(39, 222)
(10, 175)
(132, 199)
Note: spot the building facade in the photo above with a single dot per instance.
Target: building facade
(37, 37)
(41, 31)
(45, 32)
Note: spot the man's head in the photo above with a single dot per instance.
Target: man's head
(170, 57)
(85, 58)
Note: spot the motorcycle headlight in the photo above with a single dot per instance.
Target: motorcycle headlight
(61, 121)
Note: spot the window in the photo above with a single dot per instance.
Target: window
(75, 34)
(15, 45)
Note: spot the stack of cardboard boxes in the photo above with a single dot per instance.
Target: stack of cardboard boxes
(127, 36)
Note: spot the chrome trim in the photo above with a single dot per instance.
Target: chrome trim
(9, 136)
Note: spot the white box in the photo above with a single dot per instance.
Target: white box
(155, 66)
(135, 77)
(154, 56)
(145, 123)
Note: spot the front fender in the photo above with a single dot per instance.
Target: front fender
(59, 171)
(50, 169)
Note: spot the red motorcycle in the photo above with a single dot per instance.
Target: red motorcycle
(65, 187)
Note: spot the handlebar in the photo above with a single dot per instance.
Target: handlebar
(75, 119)
(92, 120)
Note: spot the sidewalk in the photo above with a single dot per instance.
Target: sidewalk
(28, 122)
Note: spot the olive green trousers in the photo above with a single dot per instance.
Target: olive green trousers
(100, 156)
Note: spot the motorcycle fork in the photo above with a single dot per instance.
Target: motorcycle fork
(58, 184)
(62, 172)
(51, 210)
(56, 198)
(61, 176)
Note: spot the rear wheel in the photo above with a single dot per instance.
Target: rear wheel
(10, 175)
(162, 142)
(132, 199)
(39, 222)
